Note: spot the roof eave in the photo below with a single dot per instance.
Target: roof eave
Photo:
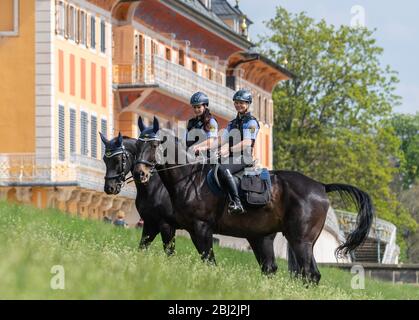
(222, 30)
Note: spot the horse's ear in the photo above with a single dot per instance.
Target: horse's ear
(156, 125)
(140, 124)
(104, 140)
(119, 139)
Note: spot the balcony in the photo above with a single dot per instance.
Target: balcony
(177, 80)
(29, 169)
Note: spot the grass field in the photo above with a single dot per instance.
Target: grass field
(102, 262)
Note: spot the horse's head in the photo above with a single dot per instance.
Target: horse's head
(147, 147)
(115, 159)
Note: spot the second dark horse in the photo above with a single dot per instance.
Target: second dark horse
(152, 201)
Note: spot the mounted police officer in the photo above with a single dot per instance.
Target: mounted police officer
(204, 123)
(237, 143)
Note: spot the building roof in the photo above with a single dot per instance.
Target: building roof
(223, 8)
(198, 10)
(198, 6)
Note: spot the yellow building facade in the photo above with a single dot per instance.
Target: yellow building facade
(73, 68)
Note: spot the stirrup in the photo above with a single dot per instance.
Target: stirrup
(235, 208)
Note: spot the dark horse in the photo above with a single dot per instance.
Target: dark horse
(298, 209)
(152, 202)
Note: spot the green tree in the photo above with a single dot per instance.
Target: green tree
(407, 129)
(331, 121)
(409, 198)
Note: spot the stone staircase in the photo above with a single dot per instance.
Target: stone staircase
(368, 252)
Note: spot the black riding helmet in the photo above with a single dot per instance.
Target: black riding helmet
(199, 98)
(243, 95)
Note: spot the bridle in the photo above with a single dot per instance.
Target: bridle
(119, 176)
(150, 164)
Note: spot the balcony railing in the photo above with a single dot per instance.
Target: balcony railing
(177, 80)
(27, 169)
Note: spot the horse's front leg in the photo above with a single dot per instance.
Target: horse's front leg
(168, 237)
(149, 233)
(202, 237)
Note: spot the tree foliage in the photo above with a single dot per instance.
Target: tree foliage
(407, 129)
(331, 121)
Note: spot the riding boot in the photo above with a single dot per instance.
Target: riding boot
(235, 205)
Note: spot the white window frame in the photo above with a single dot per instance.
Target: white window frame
(15, 31)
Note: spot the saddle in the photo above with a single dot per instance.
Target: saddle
(254, 186)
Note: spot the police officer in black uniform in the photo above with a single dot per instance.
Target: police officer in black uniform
(244, 129)
(203, 121)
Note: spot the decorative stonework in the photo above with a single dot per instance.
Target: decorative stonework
(24, 194)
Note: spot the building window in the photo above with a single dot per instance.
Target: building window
(60, 18)
(83, 133)
(168, 54)
(102, 36)
(181, 57)
(72, 131)
(210, 74)
(194, 66)
(9, 18)
(72, 24)
(83, 26)
(77, 25)
(61, 129)
(93, 32)
(93, 136)
(104, 130)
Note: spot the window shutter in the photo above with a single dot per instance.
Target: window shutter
(93, 32)
(104, 130)
(72, 131)
(102, 36)
(61, 129)
(83, 133)
(93, 136)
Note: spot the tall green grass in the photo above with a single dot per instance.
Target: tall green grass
(102, 262)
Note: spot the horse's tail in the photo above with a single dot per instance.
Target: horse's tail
(364, 219)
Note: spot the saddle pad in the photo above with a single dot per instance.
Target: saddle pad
(252, 184)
